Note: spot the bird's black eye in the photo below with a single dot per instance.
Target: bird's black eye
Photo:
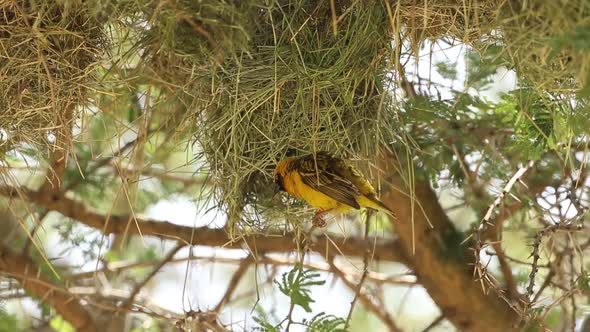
(279, 182)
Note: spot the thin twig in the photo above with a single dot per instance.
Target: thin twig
(233, 283)
(156, 269)
(511, 285)
(379, 311)
(375, 277)
(506, 190)
(301, 251)
(365, 272)
(101, 162)
(36, 282)
(573, 298)
(546, 283)
(141, 304)
(38, 224)
(480, 271)
(535, 254)
(434, 323)
(165, 175)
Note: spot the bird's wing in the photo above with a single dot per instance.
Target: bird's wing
(350, 173)
(353, 175)
(322, 174)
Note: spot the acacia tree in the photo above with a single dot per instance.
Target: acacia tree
(110, 108)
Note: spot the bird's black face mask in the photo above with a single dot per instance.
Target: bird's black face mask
(279, 184)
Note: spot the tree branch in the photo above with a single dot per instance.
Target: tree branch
(35, 282)
(383, 250)
(59, 151)
(442, 267)
(233, 283)
(510, 282)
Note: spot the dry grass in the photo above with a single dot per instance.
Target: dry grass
(48, 58)
(532, 32)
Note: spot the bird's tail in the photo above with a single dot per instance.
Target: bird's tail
(376, 204)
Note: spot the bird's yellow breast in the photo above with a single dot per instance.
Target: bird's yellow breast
(295, 186)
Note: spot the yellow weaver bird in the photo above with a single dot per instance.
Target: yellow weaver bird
(327, 183)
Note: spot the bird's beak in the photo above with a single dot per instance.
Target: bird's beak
(276, 190)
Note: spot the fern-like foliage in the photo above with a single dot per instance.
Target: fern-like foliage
(539, 122)
(296, 283)
(325, 323)
(265, 326)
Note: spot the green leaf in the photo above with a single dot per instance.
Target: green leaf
(577, 39)
(149, 254)
(264, 325)
(296, 283)
(112, 256)
(7, 321)
(265, 321)
(61, 325)
(325, 323)
(447, 70)
(481, 66)
(583, 281)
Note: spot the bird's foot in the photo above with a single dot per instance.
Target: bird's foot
(318, 219)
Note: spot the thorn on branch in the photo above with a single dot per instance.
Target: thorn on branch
(535, 253)
(507, 188)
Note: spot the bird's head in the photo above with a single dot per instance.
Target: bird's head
(280, 172)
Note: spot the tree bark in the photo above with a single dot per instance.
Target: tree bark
(449, 279)
(34, 281)
(205, 236)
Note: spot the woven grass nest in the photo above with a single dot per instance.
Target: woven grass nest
(49, 53)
